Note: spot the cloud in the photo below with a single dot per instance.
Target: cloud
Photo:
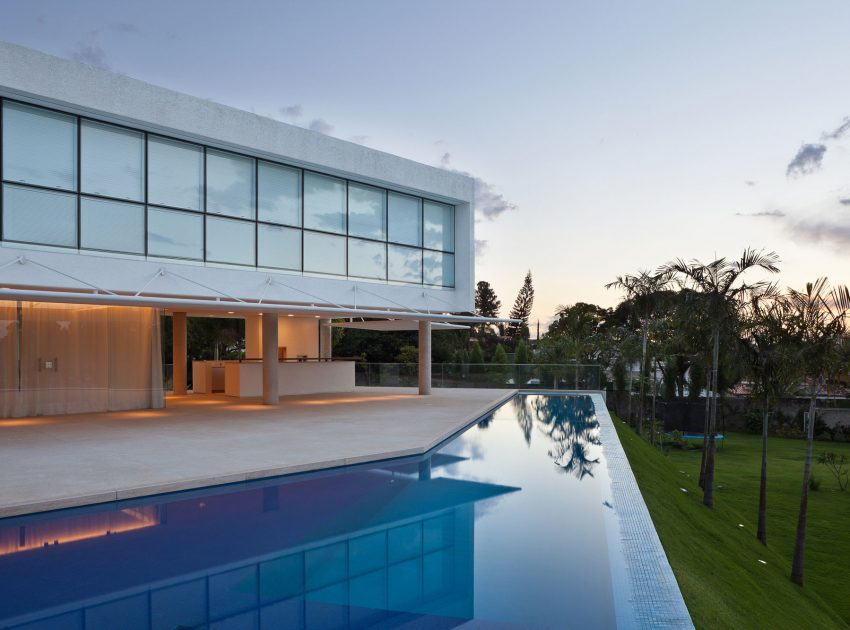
(844, 201)
(489, 203)
(321, 125)
(89, 51)
(125, 27)
(292, 111)
(820, 231)
(808, 160)
(481, 246)
(838, 132)
(764, 213)
(750, 183)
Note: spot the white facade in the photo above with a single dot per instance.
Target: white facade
(174, 138)
(120, 195)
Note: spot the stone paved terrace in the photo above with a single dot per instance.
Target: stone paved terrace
(52, 462)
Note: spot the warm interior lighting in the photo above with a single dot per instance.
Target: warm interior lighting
(85, 527)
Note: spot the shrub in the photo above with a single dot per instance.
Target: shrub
(814, 483)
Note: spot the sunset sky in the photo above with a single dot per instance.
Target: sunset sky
(606, 136)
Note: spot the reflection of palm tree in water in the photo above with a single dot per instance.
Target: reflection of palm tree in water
(570, 423)
(523, 416)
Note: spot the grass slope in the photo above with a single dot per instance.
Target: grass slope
(716, 562)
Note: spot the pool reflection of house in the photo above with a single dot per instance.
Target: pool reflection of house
(380, 546)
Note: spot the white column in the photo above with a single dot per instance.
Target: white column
(253, 337)
(424, 357)
(270, 363)
(325, 339)
(178, 347)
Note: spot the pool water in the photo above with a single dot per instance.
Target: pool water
(505, 525)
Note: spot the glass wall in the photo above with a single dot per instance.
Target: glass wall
(73, 182)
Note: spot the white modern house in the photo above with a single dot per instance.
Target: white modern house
(123, 202)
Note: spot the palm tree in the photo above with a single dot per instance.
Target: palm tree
(720, 293)
(774, 369)
(644, 291)
(818, 322)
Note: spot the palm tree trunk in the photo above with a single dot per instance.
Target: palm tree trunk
(642, 382)
(654, 388)
(761, 533)
(708, 490)
(705, 429)
(800, 544)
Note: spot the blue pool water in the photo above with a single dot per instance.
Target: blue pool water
(507, 525)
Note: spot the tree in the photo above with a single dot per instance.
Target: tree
(521, 310)
(644, 291)
(718, 294)
(521, 356)
(487, 304)
(500, 356)
(818, 323)
(773, 368)
(477, 354)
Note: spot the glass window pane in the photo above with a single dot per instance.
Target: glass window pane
(280, 194)
(39, 146)
(324, 203)
(367, 259)
(39, 216)
(405, 264)
(175, 234)
(113, 161)
(405, 219)
(230, 184)
(175, 173)
(439, 226)
(367, 212)
(324, 253)
(112, 225)
(439, 269)
(230, 241)
(279, 247)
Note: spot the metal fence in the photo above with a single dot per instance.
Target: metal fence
(490, 375)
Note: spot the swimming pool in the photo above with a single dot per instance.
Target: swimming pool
(525, 518)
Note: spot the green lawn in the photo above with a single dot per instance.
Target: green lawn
(716, 561)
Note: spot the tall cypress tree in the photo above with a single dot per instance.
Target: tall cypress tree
(487, 304)
(521, 310)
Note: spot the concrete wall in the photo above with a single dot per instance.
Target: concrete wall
(299, 335)
(41, 79)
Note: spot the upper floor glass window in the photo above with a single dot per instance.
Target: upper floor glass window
(230, 184)
(439, 226)
(279, 194)
(230, 241)
(367, 212)
(175, 173)
(113, 161)
(367, 259)
(405, 264)
(324, 203)
(39, 146)
(278, 247)
(438, 268)
(113, 226)
(405, 219)
(46, 217)
(324, 253)
(175, 234)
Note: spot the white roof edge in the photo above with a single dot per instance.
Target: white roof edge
(226, 306)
